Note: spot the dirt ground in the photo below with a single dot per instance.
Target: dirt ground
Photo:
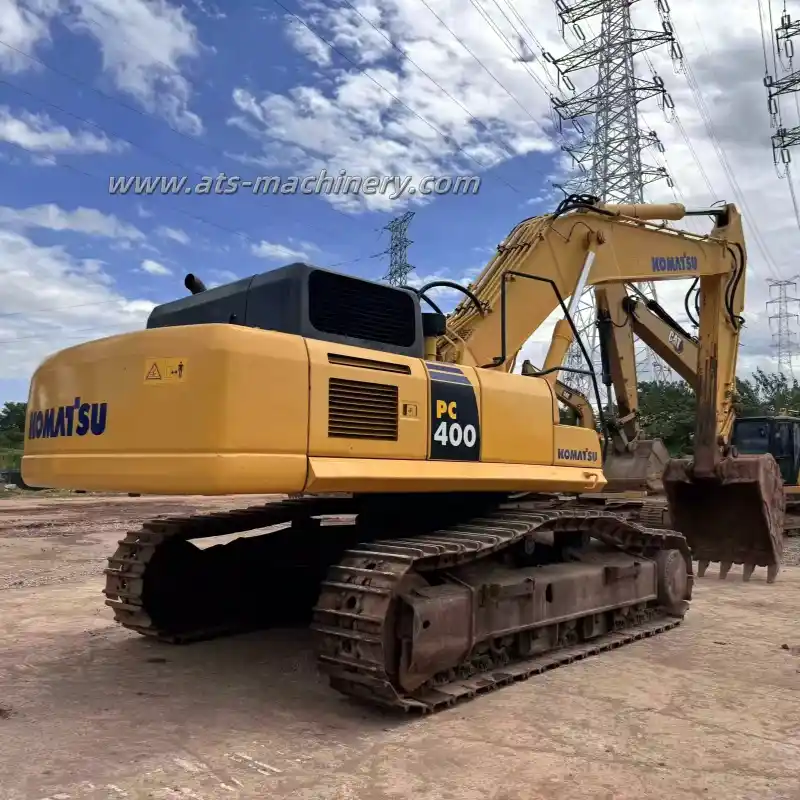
(91, 712)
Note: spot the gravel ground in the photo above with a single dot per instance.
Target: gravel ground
(89, 711)
(791, 551)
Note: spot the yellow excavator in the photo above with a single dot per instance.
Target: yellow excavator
(638, 463)
(455, 568)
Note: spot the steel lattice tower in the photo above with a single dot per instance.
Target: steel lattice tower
(784, 86)
(399, 268)
(609, 155)
(784, 333)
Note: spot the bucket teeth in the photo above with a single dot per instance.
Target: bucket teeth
(734, 517)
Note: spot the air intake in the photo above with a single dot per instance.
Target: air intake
(345, 306)
(361, 410)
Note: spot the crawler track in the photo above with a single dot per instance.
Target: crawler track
(361, 573)
(353, 616)
(179, 608)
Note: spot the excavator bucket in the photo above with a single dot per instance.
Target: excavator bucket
(638, 470)
(736, 517)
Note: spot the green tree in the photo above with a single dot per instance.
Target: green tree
(12, 425)
(667, 412)
(766, 394)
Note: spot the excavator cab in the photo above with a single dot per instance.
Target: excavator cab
(779, 436)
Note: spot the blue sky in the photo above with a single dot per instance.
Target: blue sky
(93, 88)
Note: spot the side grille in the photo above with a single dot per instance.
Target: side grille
(360, 410)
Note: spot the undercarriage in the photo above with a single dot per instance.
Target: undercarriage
(416, 602)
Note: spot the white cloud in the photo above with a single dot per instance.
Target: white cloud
(350, 120)
(175, 234)
(209, 10)
(224, 275)
(51, 300)
(347, 119)
(308, 44)
(154, 267)
(281, 252)
(732, 103)
(144, 45)
(21, 28)
(88, 221)
(40, 134)
(444, 296)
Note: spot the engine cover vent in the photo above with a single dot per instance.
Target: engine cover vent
(361, 410)
(345, 306)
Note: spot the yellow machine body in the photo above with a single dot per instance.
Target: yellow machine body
(257, 411)
(456, 563)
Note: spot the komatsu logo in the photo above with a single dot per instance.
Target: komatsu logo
(674, 263)
(565, 454)
(77, 419)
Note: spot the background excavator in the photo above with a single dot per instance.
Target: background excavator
(456, 568)
(638, 463)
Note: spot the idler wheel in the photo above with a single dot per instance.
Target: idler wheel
(673, 581)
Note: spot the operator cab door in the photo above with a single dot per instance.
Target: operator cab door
(783, 446)
(796, 459)
(779, 437)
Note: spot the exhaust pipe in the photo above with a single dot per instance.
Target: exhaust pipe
(194, 284)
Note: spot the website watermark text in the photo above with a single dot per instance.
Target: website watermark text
(395, 186)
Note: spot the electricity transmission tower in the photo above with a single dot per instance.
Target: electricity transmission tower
(777, 87)
(782, 322)
(399, 268)
(775, 51)
(784, 334)
(609, 156)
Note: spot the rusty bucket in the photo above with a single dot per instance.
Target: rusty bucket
(734, 517)
(638, 470)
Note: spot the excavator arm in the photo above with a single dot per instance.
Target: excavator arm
(547, 260)
(638, 463)
(730, 509)
(666, 337)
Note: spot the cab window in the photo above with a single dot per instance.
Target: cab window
(782, 442)
(752, 437)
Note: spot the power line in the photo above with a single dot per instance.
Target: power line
(477, 60)
(504, 39)
(789, 84)
(86, 174)
(136, 145)
(480, 123)
(60, 335)
(447, 138)
(739, 197)
(86, 85)
(102, 129)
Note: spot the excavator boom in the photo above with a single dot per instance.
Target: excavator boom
(727, 507)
